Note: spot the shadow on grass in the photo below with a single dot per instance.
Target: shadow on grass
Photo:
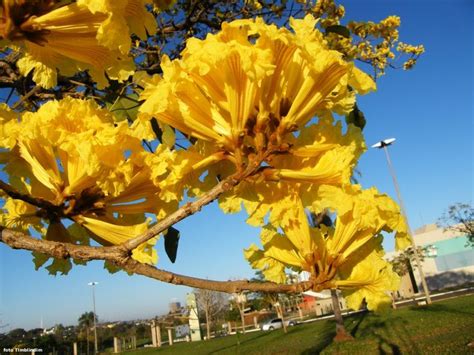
(326, 335)
(359, 322)
(391, 335)
(383, 332)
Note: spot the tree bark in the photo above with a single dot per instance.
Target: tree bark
(208, 326)
(87, 339)
(121, 258)
(282, 318)
(341, 332)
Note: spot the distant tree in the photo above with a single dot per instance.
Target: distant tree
(267, 299)
(142, 331)
(277, 301)
(46, 342)
(59, 332)
(86, 321)
(459, 218)
(18, 333)
(401, 264)
(239, 301)
(210, 303)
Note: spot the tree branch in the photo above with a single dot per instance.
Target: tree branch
(26, 96)
(121, 258)
(19, 240)
(183, 212)
(35, 201)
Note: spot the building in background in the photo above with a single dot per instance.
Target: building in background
(194, 326)
(321, 302)
(450, 259)
(175, 307)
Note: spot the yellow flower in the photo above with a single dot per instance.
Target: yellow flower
(44, 33)
(231, 85)
(333, 256)
(73, 154)
(113, 234)
(297, 248)
(124, 17)
(360, 215)
(8, 126)
(252, 92)
(322, 154)
(368, 277)
(17, 214)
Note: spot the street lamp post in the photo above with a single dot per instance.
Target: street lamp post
(95, 325)
(383, 145)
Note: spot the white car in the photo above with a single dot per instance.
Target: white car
(276, 323)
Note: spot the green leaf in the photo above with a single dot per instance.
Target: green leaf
(340, 30)
(125, 107)
(39, 259)
(79, 262)
(156, 129)
(356, 117)
(79, 233)
(168, 137)
(171, 243)
(111, 267)
(59, 265)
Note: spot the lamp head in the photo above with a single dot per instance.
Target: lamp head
(384, 143)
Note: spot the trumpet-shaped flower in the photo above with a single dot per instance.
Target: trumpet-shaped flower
(321, 155)
(253, 92)
(73, 154)
(99, 31)
(368, 277)
(251, 79)
(123, 18)
(329, 254)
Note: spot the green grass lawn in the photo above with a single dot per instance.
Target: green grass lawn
(442, 328)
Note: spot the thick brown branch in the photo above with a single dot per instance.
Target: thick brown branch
(121, 258)
(223, 286)
(19, 240)
(183, 212)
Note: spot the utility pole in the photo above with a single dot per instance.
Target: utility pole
(384, 144)
(95, 325)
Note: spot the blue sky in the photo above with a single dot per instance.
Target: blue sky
(430, 112)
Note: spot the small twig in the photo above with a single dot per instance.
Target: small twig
(12, 90)
(183, 212)
(35, 201)
(26, 96)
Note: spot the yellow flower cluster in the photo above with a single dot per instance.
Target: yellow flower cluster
(91, 35)
(246, 91)
(260, 98)
(74, 155)
(329, 13)
(258, 103)
(367, 41)
(330, 254)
